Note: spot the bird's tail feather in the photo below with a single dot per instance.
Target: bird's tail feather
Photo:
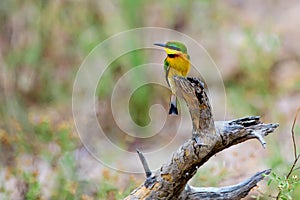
(173, 106)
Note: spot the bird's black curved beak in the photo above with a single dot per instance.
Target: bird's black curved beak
(161, 45)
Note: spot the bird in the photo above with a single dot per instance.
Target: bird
(177, 63)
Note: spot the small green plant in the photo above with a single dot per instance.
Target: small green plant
(285, 184)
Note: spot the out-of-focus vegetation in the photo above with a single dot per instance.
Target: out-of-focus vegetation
(43, 43)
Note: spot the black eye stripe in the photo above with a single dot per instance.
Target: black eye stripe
(172, 55)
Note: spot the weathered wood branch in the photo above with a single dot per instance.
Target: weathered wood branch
(208, 138)
(144, 163)
(233, 192)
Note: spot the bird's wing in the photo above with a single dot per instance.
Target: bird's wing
(167, 69)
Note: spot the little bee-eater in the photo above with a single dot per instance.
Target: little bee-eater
(177, 63)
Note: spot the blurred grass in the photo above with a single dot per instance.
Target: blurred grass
(42, 46)
(256, 57)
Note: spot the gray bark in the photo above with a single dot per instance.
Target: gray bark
(208, 138)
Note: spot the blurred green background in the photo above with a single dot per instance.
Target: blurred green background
(43, 43)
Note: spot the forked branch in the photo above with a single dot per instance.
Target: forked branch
(208, 138)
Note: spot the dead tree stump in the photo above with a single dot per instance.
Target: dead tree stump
(208, 138)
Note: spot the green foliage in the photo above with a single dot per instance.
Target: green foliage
(218, 174)
(43, 131)
(139, 105)
(286, 186)
(141, 97)
(256, 57)
(34, 188)
(65, 139)
(66, 178)
(107, 189)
